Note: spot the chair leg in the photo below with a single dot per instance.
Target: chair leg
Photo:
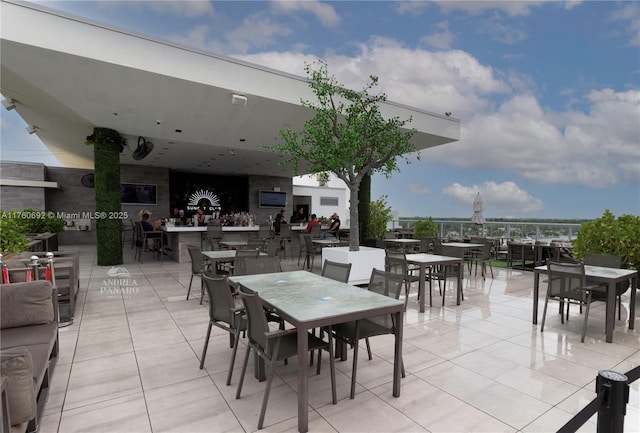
(267, 391)
(366, 340)
(189, 290)
(586, 316)
(233, 355)
(244, 371)
(206, 345)
(544, 311)
(201, 290)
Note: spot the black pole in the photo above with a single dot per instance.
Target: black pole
(614, 408)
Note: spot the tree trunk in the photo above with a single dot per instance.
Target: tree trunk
(354, 229)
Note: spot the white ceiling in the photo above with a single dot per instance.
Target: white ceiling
(68, 76)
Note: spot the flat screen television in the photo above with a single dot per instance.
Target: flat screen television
(272, 199)
(138, 193)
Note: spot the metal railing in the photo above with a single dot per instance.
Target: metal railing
(611, 401)
(499, 229)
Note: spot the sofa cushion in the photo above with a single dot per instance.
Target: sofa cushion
(17, 371)
(34, 301)
(28, 335)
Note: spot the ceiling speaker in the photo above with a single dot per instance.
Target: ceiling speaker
(144, 148)
(88, 180)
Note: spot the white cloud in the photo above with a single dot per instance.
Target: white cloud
(325, 13)
(508, 33)
(498, 198)
(597, 148)
(414, 8)
(257, 30)
(629, 14)
(511, 8)
(441, 38)
(189, 9)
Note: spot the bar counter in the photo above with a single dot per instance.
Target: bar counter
(179, 237)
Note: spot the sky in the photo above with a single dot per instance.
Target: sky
(547, 93)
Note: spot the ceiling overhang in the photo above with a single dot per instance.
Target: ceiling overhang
(68, 76)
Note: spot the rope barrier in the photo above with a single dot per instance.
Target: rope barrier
(583, 416)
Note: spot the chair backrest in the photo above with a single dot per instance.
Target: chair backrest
(396, 262)
(262, 265)
(437, 248)
(239, 263)
(308, 243)
(566, 279)
(386, 283)
(214, 231)
(221, 300)
(285, 231)
(336, 271)
(273, 247)
(452, 251)
(264, 232)
(247, 252)
(197, 263)
(257, 325)
(604, 260)
(486, 249)
(315, 231)
(254, 243)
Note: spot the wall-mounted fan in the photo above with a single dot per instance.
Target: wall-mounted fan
(144, 148)
(88, 180)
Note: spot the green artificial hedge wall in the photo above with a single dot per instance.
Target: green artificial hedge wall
(364, 204)
(107, 147)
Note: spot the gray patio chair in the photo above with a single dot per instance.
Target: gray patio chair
(567, 283)
(238, 267)
(310, 251)
(273, 346)
(197, 269)
(214, 235)
(383, 283)
(482, 256)
(336, 271)
(608, 261)
(443, 273)
(262, 265)
(225, 312)
(396, 262)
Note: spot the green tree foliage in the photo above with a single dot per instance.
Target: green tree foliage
(425, 228)
(611, 235)
(379, 216)
(348, 136)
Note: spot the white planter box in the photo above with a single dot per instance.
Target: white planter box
(362, 262)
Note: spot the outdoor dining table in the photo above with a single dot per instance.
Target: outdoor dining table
(464, 245)
(326, 242)
(427, 260)
(234, 244)
(612, 277)
(403, 242)
(307, 301)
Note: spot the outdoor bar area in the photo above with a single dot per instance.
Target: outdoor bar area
(236, 301)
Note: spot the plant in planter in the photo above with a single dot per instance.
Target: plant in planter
(12, 238)
(347, 136)
(379, 216)
(610, 235)
(46, 222)
(425, 228)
